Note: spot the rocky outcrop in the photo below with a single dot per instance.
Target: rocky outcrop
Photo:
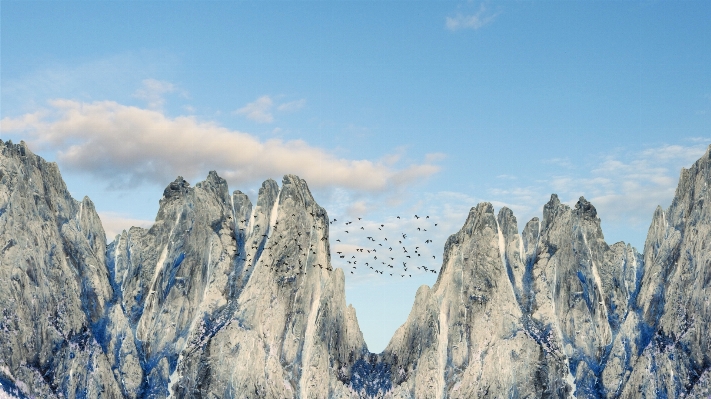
(466, 337)
(673, 355)
(290, 333)
(54, 284)
(223, 298)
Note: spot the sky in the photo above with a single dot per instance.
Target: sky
(386, 109)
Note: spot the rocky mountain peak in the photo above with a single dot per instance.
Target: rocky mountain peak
(225, 298)
(507, 222)
(176, 188)
(585, 209)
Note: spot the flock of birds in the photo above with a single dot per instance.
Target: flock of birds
(396, 255)
(387, 254)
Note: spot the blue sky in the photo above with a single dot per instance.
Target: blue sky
(387, 108)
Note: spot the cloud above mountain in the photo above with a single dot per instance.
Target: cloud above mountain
(261, 110)
(128, 145)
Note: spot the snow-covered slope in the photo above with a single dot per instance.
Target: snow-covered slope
(223, 298)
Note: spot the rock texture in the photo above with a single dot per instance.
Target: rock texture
(54, 284)
(223, 298)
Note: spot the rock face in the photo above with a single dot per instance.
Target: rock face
(54, 284)
(223, 298)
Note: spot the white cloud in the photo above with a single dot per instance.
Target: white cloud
(562, 162)
(292, 105)
(435, 157)
(625, 187)
(152, 92)
(126, 144)
(474, 21)
(259, 110)
(117, 76)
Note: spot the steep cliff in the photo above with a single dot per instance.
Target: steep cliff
(223, 298)
(54, 284)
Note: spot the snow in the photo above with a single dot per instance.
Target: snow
(309, 338)
(502, 252)
(273, 215)
(598, 283)
(443, 339)
(570, 379)
(198, 313)
(163, 255)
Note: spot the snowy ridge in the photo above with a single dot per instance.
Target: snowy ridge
(219, 328)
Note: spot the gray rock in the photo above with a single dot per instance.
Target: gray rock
(674, 294)
(220, 298)
(469, 321)
(54, 286)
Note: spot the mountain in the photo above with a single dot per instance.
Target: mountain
(225, 298)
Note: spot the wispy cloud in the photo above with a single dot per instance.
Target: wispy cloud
(561, 162)
(116, 76)
(292, 105)
(625, 187)
(127, 145)
(259, 111)
(474, 21)
(153, 92)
